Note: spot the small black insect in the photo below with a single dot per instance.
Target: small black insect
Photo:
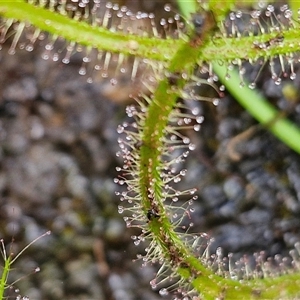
(152, 214)
(278, 39)
(204, 26)
(198, 22)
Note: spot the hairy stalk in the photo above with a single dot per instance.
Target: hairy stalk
(147, 151)
(233, 48)
(4, 275)
(280, 42)
(83, 34)
(9, 259)
(93, 36)
(150, 165)
(150, 189)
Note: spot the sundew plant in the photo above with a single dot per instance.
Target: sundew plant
(210, 41)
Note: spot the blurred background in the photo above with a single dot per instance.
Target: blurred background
(58, 145)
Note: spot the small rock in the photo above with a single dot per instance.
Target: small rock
(22, 90)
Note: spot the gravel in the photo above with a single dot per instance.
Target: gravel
(58, 142)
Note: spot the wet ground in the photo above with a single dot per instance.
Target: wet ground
(58, 142)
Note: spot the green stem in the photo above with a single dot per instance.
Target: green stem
(150, 166)
(154, 48)
(187, 8)
(254, 103)
(261, 109)
(179, 56)
(266, 114)
(87, 35)
(209, 285)
(4, 275)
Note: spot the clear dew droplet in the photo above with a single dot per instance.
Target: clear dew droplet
(113, 81)
(200, 119)
(137, 242)
(230, 67)
(210, 79)
(197, 127)
(216, 101)
(195, 111)
(193, 191)
(86, 59)
(120, 129)
(242, 71)
(177, 179)
(55, 57)
(293, 76)
(227, 77)
(163, 292)
(11, 51)
(239, 14)
(277, 81)
(183, 172)
(186, 140)
(252, 85)
(288, 14)
(167, 7)
(192, 146)
(49, 47)
(82, 71)
(153, 284)
(29, 48)
(185, 154)
(163, 22)
(255, 14)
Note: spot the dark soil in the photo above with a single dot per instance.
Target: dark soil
(58, 142)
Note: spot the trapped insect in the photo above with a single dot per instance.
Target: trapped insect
(152, 214)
